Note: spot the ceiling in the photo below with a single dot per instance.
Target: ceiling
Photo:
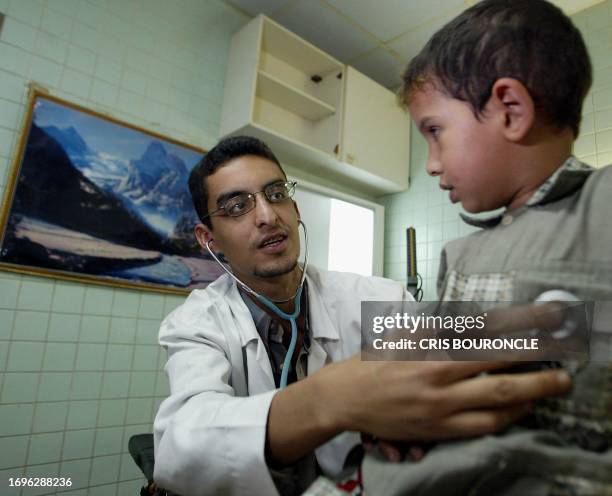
(378, 37)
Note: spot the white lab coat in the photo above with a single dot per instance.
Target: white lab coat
(210, 436)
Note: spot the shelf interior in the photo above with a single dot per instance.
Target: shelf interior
(293, 99)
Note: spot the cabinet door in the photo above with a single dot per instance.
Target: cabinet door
(376, 130)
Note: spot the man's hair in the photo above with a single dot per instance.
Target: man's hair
(531, 41)
(227, 149)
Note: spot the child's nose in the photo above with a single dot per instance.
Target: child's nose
(433, 167)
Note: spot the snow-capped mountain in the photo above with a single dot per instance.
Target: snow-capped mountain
(153, 186)
(105, 170)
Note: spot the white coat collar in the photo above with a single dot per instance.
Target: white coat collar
(321, 325)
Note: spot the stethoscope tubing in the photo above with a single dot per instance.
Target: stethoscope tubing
(292, 318)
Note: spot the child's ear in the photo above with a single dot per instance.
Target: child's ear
(512, 100)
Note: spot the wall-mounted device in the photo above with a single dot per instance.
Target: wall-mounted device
(413, 279)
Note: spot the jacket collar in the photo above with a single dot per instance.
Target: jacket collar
(563, 182)
(321, 326)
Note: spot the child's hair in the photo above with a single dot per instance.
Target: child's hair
(531, 41)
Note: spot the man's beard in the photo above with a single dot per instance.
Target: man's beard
(276, 271)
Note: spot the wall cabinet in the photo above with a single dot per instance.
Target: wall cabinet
(315, 113)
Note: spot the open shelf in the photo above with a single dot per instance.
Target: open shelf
(293, 50)
(292, 99)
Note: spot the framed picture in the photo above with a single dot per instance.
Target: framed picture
(94, 199)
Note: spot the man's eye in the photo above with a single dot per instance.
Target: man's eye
(236, 207)
(277, 195)
(434, 131)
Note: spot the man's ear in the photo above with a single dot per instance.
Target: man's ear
(204, 234)
(297, 209)
(511, 99)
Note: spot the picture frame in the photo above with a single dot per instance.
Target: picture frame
(91, 198)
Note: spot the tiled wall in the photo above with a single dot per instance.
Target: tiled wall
(79, 364)
(427, 208)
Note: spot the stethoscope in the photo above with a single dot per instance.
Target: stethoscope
(291, 317)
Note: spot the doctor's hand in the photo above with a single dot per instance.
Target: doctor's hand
(401, 401)
(429, 401)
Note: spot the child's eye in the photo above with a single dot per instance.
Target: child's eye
(434, 131)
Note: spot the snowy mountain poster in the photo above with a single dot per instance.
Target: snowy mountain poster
(92, 198)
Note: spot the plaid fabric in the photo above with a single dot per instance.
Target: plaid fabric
(478, 287)
(571, 163)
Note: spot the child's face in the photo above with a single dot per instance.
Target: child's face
(468, 155)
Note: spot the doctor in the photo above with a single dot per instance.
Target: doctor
(227, 427)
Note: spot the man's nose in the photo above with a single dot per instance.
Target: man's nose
(264, 211)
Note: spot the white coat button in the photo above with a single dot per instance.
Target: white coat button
(507, 220)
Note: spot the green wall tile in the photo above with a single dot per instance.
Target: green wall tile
(81, 59)
(59, 356)
(64, 327)
(122, 330)
(78, 471)
(126, 304)
(112, 413)
(105, 469)
(129, 470)
(139, 410)
(76, 83)
(35, 295)
(13, 452)
(28, 12)
(86, 385)
(30, 325)
(94, 329)
(4, 346)
(603, 120)
(15, 419)
(4, 480)
(103, 490)
(24, 356)
(115, 385)
(98, 301)
(19, 387)
(18, 33)
(50, 416)
(57, 24)
(128, 488)
(78, 444)
(54, 386)
(145, 357)
(45, 448)
(47, 470)
(90, 357)
(119, 357)
(15, 59)
(45, 71)
(68, 298)
(151, 306)
(82, 414)
(147, 331)
(9, 288)
(109, 441)
(142, 384)
(162, 385)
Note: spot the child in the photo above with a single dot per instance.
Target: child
(498, 94)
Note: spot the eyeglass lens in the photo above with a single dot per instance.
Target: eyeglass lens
(275, 193)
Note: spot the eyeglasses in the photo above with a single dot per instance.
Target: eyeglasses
(242, 204)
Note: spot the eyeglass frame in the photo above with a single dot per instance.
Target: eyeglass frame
(254, 197)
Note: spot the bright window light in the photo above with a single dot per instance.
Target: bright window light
(351, 238)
